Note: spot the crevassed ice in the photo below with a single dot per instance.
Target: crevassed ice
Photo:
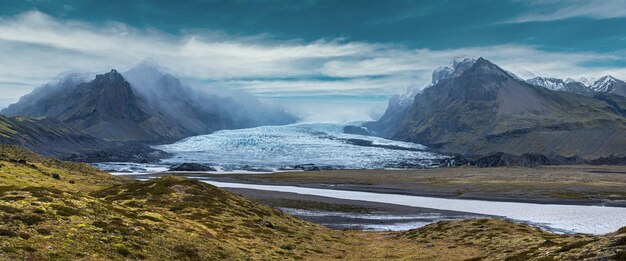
(289, 145)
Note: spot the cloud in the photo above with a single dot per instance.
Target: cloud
(35, 47)
(550, 10)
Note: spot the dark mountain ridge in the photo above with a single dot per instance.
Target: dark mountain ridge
(105, 107)
(53, 138)
(485, 110)
(151, 106)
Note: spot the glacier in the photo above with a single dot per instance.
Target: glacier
(286, 146)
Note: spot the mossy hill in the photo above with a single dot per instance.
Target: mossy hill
(54, 210)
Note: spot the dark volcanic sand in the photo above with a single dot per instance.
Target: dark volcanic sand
(577, 184)
(580, 185)
(350, 214)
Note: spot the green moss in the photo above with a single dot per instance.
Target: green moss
(151, 218)
(185, 252)
(5, 232)
(9, 209)
(574, 245)
(621, 255)
(620, 241)
(123, 251)
(65, 210)
(29, 219)
(43, 231)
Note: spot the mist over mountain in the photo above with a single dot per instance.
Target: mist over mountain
(201, 111)
(144, 104)
(484, 109)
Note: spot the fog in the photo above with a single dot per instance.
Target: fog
(201, 109)
(59, 83)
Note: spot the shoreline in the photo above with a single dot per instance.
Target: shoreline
(350, 214)
(438, 187)
(556, 218)
(392, 193)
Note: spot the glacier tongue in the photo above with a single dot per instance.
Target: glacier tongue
(272, 147)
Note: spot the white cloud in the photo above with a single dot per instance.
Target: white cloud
(35, 47)
(550, 10)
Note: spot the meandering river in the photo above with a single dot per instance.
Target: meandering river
(554, 217)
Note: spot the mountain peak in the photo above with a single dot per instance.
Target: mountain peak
(482, 62)
(484, 66)
(458, 65)
(610, 84)
(111, 77)
(606, 79)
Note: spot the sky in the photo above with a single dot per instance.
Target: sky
(326, 60)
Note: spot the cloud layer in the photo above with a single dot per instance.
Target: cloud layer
(35, 47)
(550, 10)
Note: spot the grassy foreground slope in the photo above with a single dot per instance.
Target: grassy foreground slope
(53, 210)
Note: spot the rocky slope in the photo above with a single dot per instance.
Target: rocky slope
(47, 136)
(150, 106)
(485, 110)
(53, 138)
(105, 107)
(65, 211)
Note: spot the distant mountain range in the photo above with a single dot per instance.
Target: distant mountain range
(584, 86)
(144, 104)
(474, 107)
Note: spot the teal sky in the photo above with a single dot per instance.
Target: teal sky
(353, 52)
(440, 24)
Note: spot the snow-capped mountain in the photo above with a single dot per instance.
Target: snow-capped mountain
(609, 84)
(585, 81)
(547, 82)
(455, 68)
(582, 86)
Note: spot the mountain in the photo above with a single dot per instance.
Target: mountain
(486, 110)
(53, 138)
(105, 107)
(200, 112)
(150, 106)
(551, 83)
(556, 84)
(583, 86)
(46, 136)
(609, 84)
(399, 105)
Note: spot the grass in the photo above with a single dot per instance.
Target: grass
(101, 217)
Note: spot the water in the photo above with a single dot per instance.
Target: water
(130, 168)
(553, 217)
(377, 221)
(284, 147)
